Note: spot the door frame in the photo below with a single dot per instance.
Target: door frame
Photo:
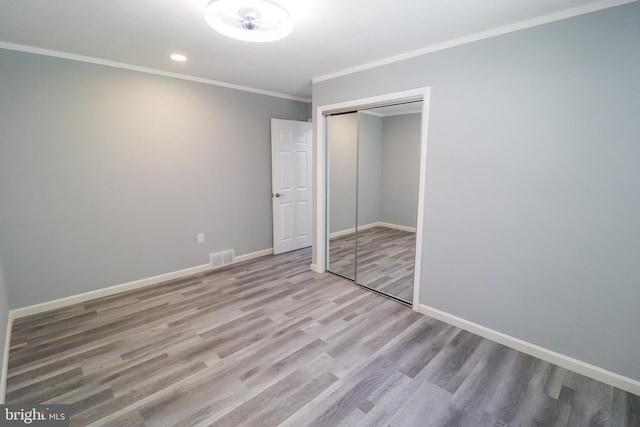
(320, 237)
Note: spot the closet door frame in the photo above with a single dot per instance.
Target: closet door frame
(320, 237)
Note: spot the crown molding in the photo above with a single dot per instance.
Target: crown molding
(545, 19)
(147, 70)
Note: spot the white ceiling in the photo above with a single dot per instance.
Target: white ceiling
(329, 36)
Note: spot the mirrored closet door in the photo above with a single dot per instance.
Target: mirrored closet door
(373, 164)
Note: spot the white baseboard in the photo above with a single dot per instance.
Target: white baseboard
(346, 232)
(315, 268)
(253, 255)
(352, 230)
(371, 225)
(397, 227)
(5, 358)
(105, 292)
(575, 365)
(136, 284)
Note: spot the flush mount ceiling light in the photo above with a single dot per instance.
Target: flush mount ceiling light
(178, 57)
(249, 20)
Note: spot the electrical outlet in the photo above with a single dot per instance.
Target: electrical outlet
(200, 237)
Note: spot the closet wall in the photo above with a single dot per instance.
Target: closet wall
(400, 169)
(386, 175)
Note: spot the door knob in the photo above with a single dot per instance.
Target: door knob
(278, 195)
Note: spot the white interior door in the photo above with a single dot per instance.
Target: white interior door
(291, 163)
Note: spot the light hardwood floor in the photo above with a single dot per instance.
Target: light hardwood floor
(385, 260)
(269, 342)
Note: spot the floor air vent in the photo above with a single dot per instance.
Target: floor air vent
(221, 259)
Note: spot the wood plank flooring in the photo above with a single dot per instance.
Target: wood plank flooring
(268, 342)
(385, 260)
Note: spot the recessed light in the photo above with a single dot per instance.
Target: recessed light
(178, 57)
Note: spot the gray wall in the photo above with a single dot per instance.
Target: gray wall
(106, 175)
(309, 110)
(342, 141)
(385, 154)
(400, 169)
(369, 168)
(4, 316)
(532, 196)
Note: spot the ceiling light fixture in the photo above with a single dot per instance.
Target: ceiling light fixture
(249, 20)
(178, 57)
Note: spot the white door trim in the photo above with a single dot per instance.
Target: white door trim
(320, 237)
